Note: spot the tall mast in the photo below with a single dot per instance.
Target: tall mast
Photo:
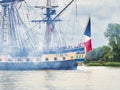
(50, 11)
(49, 20)
(49, 25)
(47, 38)
(7, 5)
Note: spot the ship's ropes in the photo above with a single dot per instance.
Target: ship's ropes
(33, 32)
(20, 41)
(72, 24)
(62, 35)
(55, 36)
(36, 29)
(58, 37)
(75, 21)
(69, 19)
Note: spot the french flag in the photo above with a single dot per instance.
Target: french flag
(87, 36)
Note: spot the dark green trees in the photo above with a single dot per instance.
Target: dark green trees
(111, 52)
(99, 54)
(113, 35)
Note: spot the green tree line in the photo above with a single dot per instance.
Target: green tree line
(110, 53)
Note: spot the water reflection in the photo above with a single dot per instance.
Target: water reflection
(49, 77)
(85, 78)
(8, 80)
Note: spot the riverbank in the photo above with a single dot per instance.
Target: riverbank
(95, 63)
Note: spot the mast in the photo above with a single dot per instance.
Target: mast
(7, 6)
(47, 38)
(50, 11)
(50, 21)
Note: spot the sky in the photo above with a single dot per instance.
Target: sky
(102, 12)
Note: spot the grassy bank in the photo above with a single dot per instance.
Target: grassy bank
(113, 64)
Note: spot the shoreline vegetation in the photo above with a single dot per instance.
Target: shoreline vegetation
(97, 63)
(108, 55)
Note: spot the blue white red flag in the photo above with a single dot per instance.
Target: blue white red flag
(87, 35)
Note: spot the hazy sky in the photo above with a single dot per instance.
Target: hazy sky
(102, 13)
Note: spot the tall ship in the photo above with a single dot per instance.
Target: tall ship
(18, 50)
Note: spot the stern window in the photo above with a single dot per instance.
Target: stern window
(46, 59)
(55, 58)
(27, 59)
(71, 57)
(63, 58)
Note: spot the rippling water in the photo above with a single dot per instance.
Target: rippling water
(85, 78)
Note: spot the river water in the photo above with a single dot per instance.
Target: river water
(85, 78)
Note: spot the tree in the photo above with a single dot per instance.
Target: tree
(106, 50)
(113, 35)
(98, 53)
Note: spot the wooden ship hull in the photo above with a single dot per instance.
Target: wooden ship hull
(67, 60)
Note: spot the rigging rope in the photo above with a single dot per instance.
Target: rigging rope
(75, 21)
(62, 35)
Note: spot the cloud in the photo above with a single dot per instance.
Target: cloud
(103, 9)
(102, 13)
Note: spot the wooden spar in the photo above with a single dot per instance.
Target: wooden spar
(63, 10)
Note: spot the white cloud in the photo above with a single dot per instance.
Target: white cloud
(102, 13)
